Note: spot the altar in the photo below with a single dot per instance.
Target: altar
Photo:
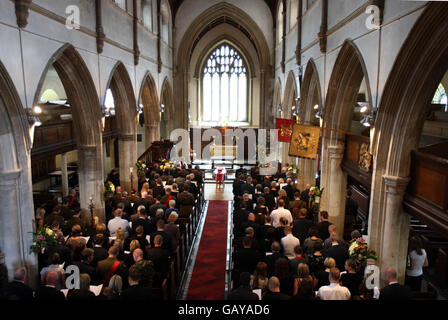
(222, 154)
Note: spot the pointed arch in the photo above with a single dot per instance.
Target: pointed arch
(86, 113)
(17, 213)
(149, 98)
(346, 78)
(126, 112)
(310, 94)
(416, 73)
(290, 95)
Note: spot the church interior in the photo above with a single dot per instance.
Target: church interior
(351, 96)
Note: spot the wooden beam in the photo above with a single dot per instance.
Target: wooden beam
(323, 27)
(99, 27)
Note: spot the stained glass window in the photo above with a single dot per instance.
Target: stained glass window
(224, 86)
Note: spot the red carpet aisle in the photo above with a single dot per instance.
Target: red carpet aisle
(208, 278)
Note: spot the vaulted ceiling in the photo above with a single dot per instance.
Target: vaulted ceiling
(175, 4)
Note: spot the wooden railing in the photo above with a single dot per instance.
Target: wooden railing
(427, 194)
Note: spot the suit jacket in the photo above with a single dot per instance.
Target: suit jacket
(186, 203)
(99, 253)
(339, 254)
(64, 253)
(136, 292)
(300, 229)
(167, 243)
(80, 295)
(245, 260)
(395, 292)
(105, 265)
(158, 191)
(153, 209)
(85, 267)
(161, 259)
(243, 293)
(49, 294)
(17, 290)
(145, 223)
(276, 296)
(323, 229)
(270, 261)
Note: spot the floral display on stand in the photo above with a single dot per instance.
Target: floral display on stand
(141, 166)
(360, 251)
(42, 239)
(292, 172)
(166, 164)
(316, 194)
(109, 188)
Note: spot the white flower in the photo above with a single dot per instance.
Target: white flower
(352, 247)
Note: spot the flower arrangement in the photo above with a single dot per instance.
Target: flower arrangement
(316, 193)
(360, 251)
(141, 166)
(42, 239)
(292, 172)
(109, 188)
(166, 164)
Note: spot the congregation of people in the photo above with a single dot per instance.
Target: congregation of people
(127, 256)
(284, 248)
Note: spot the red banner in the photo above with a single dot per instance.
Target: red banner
(284, 127)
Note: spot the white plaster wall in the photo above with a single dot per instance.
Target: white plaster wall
(339, 9)
(256, 9)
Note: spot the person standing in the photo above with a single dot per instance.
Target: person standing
(417, 260)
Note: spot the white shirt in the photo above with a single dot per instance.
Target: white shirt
(289, 242)
(418, 262)
(117, 223)
(334, 292)
(280, 213)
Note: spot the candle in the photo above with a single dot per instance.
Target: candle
(132, 170)
(91, 197)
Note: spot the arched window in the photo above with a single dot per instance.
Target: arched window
(147, 13)
(224, 87)
(440, 95)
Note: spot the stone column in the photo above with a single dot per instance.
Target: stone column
(307, 172)
(127, 148)
(396, 227)
(337, 188)
(64, 174)
(15, 236)
(152, 133)
(91, 180)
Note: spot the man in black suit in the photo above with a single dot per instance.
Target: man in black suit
(158, 190)
(17, 289)
(337, 251)
(323, 225)
(143, 221)
(255, 226)
(270, 259)
(125, 204)
(166, 237)
(135, 290)
(157, 205)
(269, 197)
(274, 291)
(247, 186)
(85, 265)
(161, 259)
(301, 226)
(305, 195)
(59, 247)
(49, 291)
(246, 259)
(290, 189)
(394, 290)
(99, 252)
(244, 291)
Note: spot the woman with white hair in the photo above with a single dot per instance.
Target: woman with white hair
(173, 230)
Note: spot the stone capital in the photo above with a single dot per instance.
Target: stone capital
(9, 178)
(336, 152)
(127, 137)
(396, 185)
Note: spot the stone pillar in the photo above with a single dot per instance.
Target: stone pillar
(307, 172)
(396, 227)
(91, 180)
(15, 236)
(64, 174)
(337, 188)
(152, 133)
(127, 148)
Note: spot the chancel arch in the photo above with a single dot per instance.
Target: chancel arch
(403, 110)
(85, 116)
(149, 101)
(310, 105)
(348, 75)
(218, 23)
(125, 104)
(17, 214)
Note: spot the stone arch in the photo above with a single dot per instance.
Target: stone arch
(290, 95)
(416, 73)
(166, 98)
(150, 100)
(83, 99)
(345, 81)
(310, 95)
(277, 99)
(17, 213)
(126, 112)
(218, 14)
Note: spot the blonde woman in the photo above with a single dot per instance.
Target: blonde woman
(145, 190)
(322, 275)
